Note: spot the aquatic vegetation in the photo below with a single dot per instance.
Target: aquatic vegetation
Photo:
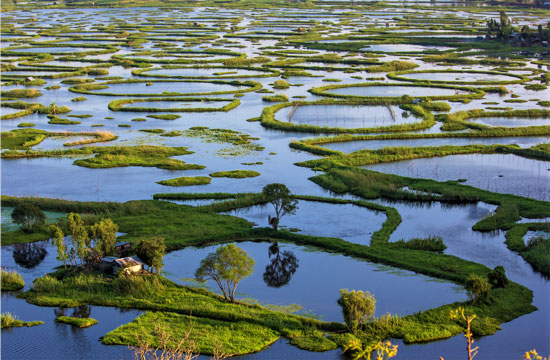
(9, 321)
(163, 117)
(241, 144)
(11, 280)
(186, 181)
(281, 84)
(117, 156)
(20, 93)
(236, 174)
(118, 105)
(77, 322)
(275, 98)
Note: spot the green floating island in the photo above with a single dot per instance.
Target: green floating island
(237, 338)
(26, 125)
(186, 181)
(9, 321)
(78, 322)
(164, 117)
(236, 174)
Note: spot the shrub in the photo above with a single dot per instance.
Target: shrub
(477, 287)
(11, 280)
(281, 84)
(497, 277)
(46, 284)
(29, 216)
(357, 307)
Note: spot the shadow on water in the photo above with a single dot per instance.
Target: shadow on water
(281, 268)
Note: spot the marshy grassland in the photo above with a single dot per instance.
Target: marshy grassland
(370, 113)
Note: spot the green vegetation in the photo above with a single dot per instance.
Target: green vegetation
(11, 280)
(164, 117)
(26, 125)
(186, 181)
(236, 174)
(28, 216)
(235, 338)
(118, 105)
(117, 156)
(281, 84)
(537, 251)
(151, 251)
(9, 321)
(429, 244)
(275, 98)
(77, 322)
(282, 200)
(227, 266)
(20, 93)
(357, 307)
(241, 144)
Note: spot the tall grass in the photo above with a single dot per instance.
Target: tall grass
(11, 280)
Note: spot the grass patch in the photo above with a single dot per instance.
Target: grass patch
(8, 321)
(11, 280)
(235, 338)
(164, 117)
(186, 181)
(76, 322)
(236, 174)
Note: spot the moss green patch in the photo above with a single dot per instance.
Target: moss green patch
(235, 338)
(164, 117)
(77, 322)
(236, 174)
(186, 181)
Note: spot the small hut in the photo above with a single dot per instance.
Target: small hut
(130, 264)
(123, 248)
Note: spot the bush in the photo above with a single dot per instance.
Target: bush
(11, 280)
(281, 84)
(29, 216)
(477, 287)
(357, 307)
(497, 277)
(137, 285)
(46, 284)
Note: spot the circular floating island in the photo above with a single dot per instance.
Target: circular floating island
(459, 77)
(392, 91)
(202, 72)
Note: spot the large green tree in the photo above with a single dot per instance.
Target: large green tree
(152, 251)
(282, 200)
(227, 267)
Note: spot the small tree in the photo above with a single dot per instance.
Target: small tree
(477, 287)
(227, 267)
(281, 199)
(152, 251)
(58, 239)
(28, 216)
(357, 307)
(497, 277)
(104, 236)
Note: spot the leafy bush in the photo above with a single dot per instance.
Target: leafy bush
(11, 280)
(29, 216)
(497, 277)
(477, 287)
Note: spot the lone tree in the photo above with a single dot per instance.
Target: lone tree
(357, 307)
(151, 251)
(281, 199)
(477, 288)
(227, 267)
(29, 216)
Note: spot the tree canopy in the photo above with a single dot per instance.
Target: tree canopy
(152, 251)
(28, 216)
(280, 197)
(227, 267)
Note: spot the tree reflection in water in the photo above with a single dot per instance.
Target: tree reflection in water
(281, 268)
(29, 255)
